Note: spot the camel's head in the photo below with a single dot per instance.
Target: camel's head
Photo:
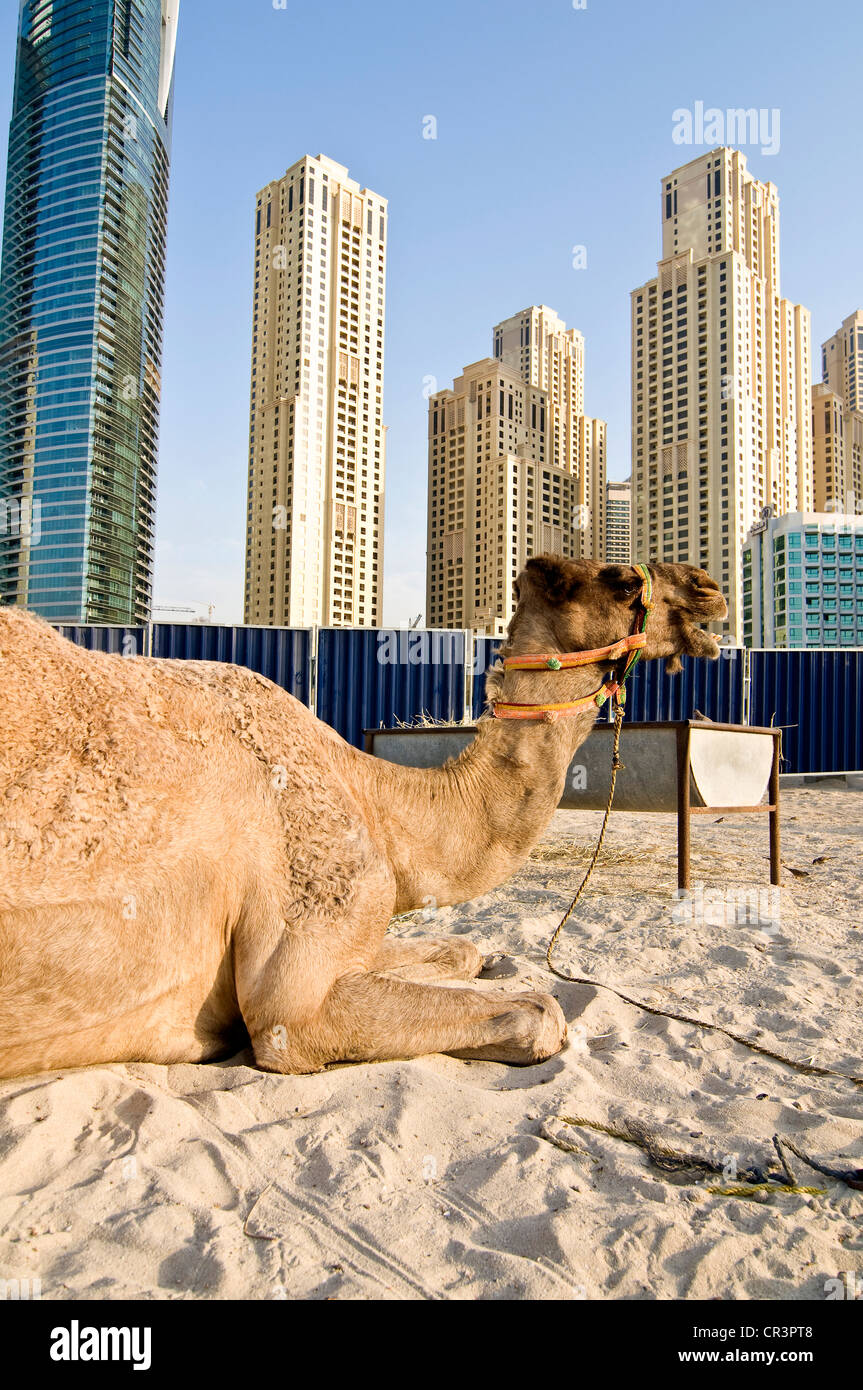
(575, 605)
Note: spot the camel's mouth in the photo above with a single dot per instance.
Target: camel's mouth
(718, 611)
(707, 605)
(706, 601)
(695, 641)
(708, 643)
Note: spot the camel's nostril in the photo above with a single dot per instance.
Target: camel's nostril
(710, 591)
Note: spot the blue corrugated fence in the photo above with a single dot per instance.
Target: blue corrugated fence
(714, 688)
(366, 678)
(282, 654)
(96, 637)
(815, 696)
(373, 677)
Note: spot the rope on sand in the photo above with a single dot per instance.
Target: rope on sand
(808, 1068)
(747, 1183)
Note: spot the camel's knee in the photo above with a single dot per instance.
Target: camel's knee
(307, 1034)
(452, 959)
(461, 960)
(429, 958)
(287, 1048)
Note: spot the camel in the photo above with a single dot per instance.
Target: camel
(190, 860)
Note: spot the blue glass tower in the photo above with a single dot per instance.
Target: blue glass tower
(81, 297)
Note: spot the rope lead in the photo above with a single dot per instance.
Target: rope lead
(809, 1068)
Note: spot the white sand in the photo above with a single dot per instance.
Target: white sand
(439, 1178)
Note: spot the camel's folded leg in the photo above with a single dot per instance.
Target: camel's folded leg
(315, 993)
(428, 958)
(375, 1017)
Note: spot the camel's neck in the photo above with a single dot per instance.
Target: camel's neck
(455, 832)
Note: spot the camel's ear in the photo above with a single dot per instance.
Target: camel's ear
(622, 580)
(556, 579)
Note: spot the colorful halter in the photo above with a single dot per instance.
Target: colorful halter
(631, 646)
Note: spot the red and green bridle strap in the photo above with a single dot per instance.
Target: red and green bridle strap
(646, 602)
(631, 647)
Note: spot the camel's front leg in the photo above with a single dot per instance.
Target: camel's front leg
(314, 992)
(371, 1017)
(428, 958)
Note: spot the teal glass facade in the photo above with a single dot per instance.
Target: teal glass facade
(803, 584)
(81, 302)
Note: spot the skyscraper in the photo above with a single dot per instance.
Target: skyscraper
(842, 361)
(538, 344)
(515, 468)
(803, 581)
(314, 525)
(81, 296)
(721, 374)
(618, 522)
(837, 421)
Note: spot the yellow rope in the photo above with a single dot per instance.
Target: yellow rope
(754, 1189)
(615, 768)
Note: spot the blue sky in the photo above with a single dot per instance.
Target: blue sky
(553, 130)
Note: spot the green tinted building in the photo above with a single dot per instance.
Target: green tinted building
(81, 298)
(803, 581)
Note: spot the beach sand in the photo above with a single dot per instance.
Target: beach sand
(439, 1178)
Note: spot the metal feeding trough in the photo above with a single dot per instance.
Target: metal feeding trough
(689, 767)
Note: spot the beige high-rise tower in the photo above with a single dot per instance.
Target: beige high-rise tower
(314, 538)
(721, 373)
(842, 361)
(618, 522)
(540, 347)
(515, 468)
(837, 421)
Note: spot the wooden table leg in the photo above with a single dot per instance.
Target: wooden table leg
(683, 807)
(773, 794)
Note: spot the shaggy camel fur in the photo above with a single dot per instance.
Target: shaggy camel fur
(188, 856)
